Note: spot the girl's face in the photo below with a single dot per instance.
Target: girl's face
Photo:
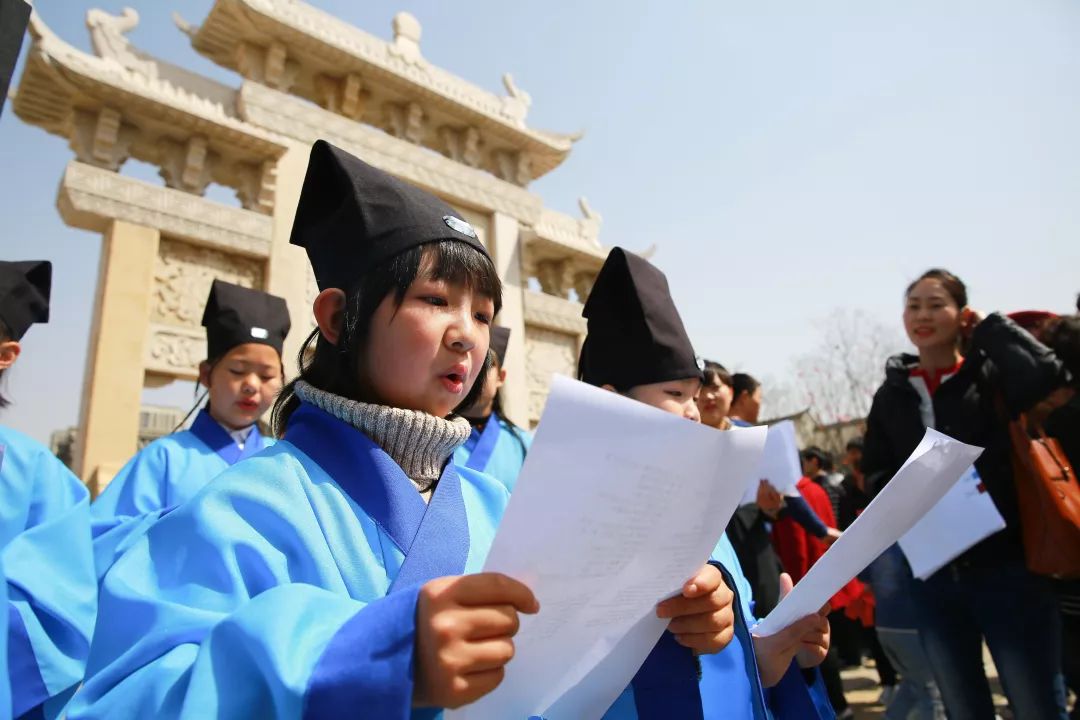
(243, 384)
(678, 397)
(931, 317)
(714, 401)
(495, 379)
(425, 354)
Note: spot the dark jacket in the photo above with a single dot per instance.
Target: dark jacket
(1003, 360)
(749, 534)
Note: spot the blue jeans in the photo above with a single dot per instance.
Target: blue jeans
(917, 695)
(1017, 615)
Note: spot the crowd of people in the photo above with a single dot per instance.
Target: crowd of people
(331, 563)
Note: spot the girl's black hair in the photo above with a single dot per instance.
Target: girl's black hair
(5, 335)
(497, 410)
(338, 368)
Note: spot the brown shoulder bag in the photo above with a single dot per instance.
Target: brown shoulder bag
(1048, 495)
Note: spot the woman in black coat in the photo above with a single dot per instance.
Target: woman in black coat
(987, 592)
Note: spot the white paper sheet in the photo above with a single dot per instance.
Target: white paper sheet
(618, 504)
(780, 464)
(965, 516)
(935, 466)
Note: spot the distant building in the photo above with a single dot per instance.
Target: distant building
(832, 438)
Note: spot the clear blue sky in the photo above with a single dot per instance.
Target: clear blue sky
(787, 158)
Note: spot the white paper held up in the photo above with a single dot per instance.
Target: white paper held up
(965, 516)
(780, 464)
(618, 504)
(934, 467)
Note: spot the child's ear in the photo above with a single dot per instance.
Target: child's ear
(329, 309)
(609, 388)
(204, 374)
(9, 353)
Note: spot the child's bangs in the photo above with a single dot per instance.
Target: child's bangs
(457, 263)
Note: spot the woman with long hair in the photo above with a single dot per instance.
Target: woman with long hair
(965, 368)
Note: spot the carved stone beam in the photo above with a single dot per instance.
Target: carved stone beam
(257, 185)
(267, 65)
(345, 96)
(553, 277)
(187, 166)
(406, 121)
(515, 167)
(101, 139)
(461, 145)
(583, 284)
(279, 71)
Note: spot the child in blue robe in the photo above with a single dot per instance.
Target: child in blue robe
(496, 446)
(49, 590)
(637, 346)
(245, 331)
(323, 577)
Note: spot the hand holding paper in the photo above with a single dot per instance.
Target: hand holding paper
(934, 467)
(617, 506)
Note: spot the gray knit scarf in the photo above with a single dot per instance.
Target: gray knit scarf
(420, 443)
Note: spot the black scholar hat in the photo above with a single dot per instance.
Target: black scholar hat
(24, 294)
(352, 216)
(635, 335)
(237, 315)
(500, 338)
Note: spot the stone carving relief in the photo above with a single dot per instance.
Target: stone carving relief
(546, 352)
(462, 145)
(555, 277)
(406, 43)
(269, 65)
(173, 351)
(517, 103)
(343, 95)
(183, 274)
(515, 167)
(256, 186)
(583, 284)
(187, 166)
(102, 138)
(406, 121)
(108, 37)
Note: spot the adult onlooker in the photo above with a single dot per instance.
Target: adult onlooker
(1063, 337)
(987, 593)
(749, 528)
(714, 400)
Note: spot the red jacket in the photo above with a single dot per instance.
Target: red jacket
(798, 551)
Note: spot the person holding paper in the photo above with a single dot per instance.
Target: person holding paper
(637, 346)
(987, 592)
(50, 594)
(496, 445)
(324, 576)
(749, 529)
(243, 372)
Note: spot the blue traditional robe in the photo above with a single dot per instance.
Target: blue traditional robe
(730, 683)
(164, 474)
(51, 592)
(498, 450)
(287, 588)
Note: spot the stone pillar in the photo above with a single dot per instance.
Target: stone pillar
(288, 270)
(112, 389)
(505, 247)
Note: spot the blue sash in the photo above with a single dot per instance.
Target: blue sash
(438, 529)
(210, 432)
(485, 445)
